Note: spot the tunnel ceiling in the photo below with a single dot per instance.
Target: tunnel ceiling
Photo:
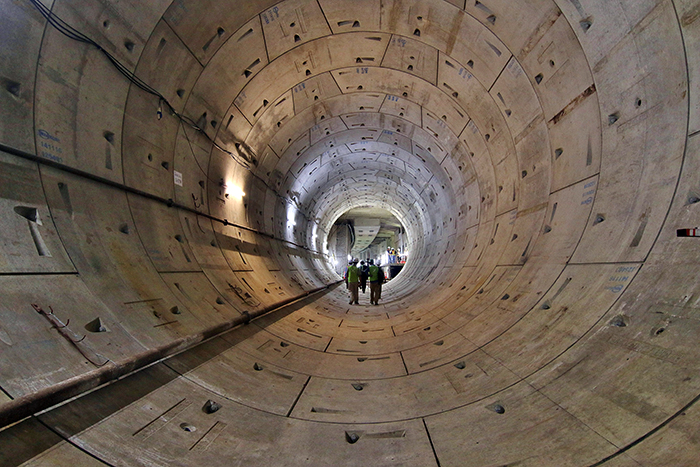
(175, 171)
(391, 104)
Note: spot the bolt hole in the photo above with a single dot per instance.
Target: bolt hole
(618, 321)
(13, 88)
(187, 427)
(210, 407)
(95, 325)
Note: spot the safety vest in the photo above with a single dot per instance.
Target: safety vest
(353, 275)
(373, 273)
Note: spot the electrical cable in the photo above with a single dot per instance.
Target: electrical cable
(245, 152)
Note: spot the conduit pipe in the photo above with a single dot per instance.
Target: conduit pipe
(30, 404)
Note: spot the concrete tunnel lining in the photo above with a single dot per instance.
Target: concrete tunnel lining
(541, 156)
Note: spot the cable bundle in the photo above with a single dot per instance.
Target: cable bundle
(244, 151)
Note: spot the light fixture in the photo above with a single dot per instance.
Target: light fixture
(236, 192)
(291, 214)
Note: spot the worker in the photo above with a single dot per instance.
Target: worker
(364, 274)
(374, 284)
(353, 279)
(345, 274)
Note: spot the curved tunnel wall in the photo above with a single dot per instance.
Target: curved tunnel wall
(541, 155)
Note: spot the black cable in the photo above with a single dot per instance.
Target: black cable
(244, 150)
(67, 30)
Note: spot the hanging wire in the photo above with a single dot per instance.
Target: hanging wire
(245, 152)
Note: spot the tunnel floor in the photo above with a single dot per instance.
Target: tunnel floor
(321, 382)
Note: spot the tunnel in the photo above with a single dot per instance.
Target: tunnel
(171, 173)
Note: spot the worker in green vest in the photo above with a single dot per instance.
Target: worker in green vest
(353, 278)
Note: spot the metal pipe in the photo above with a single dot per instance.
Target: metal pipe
(120, 186)
(28, 405)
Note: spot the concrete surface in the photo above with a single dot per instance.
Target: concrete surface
(541, 155)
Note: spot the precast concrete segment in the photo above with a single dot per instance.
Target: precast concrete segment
(539, 154)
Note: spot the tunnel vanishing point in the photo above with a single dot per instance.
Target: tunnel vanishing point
(170, 172)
